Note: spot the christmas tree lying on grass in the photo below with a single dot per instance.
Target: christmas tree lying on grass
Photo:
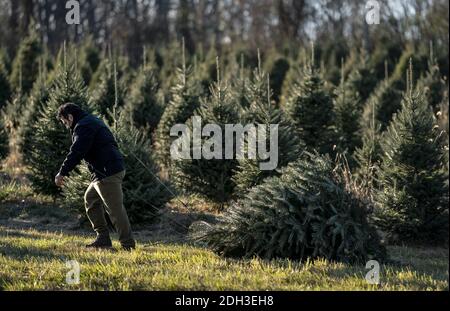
(50, 141)
(308, 212)
(211, 176)
(144, 193)
(413, 195)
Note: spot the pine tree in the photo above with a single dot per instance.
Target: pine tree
(433, 84)
(144, 193)
(185, 100)
(277, 74)
(35, 104)
(347, 118)
(25, 68)
(262, 111)
(50, 141)
(368, 156)
(362, 79)
(89, 60)
(307, 212)
(310, 107)
(104, 94)
(144, 106)
(382, 104)
(239, 85)
(211, 178)
(413, 197)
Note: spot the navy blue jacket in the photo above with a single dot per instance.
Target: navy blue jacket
(93, 142)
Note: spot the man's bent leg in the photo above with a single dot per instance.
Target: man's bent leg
(95, 211)
(110, 191)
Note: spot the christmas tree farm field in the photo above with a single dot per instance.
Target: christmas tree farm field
(37, 239)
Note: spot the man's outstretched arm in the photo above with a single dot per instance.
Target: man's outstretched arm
(83, 139)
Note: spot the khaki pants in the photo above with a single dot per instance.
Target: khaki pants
(108, 192)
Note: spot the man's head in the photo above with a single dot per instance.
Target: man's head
(68, 113)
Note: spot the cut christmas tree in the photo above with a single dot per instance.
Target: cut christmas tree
(308, 212)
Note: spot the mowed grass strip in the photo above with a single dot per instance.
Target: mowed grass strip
(36, 260)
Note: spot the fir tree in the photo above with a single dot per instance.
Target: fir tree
(33, 110)
(239, 86)
(25, 67)
(413, 197)
(145, 194)
(347, 118)
(277, 74)
(104, 94)
(310, 107)
(185, 100)
(362, 80)
(262, 111)
(382, 104)
(433, 84)
(368, 156)
(89, 60)
(50, 141)
(307, 212)
(144, 106)
(210, 177)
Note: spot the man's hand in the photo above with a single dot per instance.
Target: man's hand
(59, 180)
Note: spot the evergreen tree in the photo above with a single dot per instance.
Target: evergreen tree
(362, 80)
(89, 60)
(185, 100)
(211, 176)
(368, 156)
(144, 106)
(433, 84)
(239, 86)
(33, 110)
(104, 94)
(347, 118)
(144, 193)
(25, 67)
(50, 141)
(382, 104)
(262, 111)
(413, 199)
(277, 74)
(310, 107)
(307, 212)
(13, 110)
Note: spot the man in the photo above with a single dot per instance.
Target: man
(94, 142)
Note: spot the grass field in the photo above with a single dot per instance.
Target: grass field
(37, 239)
